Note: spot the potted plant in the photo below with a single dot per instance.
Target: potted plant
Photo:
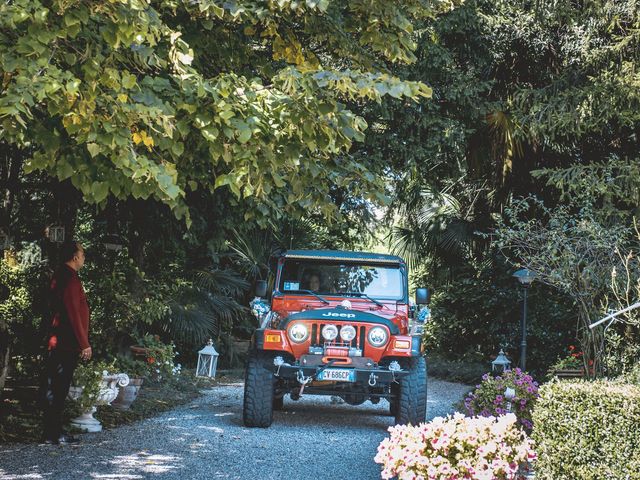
(158, 356)
(137, 372)
(571, 366)
(93, 385)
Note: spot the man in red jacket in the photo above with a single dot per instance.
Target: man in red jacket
(68, 340)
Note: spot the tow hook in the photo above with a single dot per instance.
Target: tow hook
(373, 379)
(278, 362)
(393, 368)
(302, 380)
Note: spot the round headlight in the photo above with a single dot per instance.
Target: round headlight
(348, 333)
(298, 332)
(329, 332)
(377, 336)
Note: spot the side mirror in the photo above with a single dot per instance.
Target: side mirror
(261, 288)
(422, 296)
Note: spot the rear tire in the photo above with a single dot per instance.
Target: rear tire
(257, 408)
(412, 401)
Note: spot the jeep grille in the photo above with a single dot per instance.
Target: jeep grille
(318, 341)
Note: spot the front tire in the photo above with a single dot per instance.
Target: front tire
(393, 402)
(412, 400)
(257, 408)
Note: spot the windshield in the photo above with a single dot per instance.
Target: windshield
(322, 277)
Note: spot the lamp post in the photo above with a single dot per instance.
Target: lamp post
(526, 278)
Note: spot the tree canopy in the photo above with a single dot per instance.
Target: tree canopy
(161, 98)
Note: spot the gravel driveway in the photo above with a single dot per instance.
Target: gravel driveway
(310, 439)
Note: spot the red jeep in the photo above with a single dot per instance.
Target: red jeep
(339, 324)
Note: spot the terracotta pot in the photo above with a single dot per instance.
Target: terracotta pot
(127, 395)
(139, 351)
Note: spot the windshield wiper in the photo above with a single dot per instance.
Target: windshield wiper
(311, 292)
(360, 294)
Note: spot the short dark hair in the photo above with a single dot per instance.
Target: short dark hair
(68, 250)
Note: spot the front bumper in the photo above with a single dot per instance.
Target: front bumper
(364, 371)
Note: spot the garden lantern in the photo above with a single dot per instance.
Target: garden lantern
(526, 278)
(501, 363)
(55, 233)
(207, 361)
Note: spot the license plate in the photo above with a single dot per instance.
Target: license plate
(337, 375)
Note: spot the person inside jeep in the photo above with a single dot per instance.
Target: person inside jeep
(312, 281)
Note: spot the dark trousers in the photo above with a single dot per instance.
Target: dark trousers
(56, 380)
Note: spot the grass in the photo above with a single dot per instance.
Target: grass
(20, 418)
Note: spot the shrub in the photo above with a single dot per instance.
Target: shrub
(488, 397)
(633, 376)
(133, 368)
(572, 361)
(160, 358)
(587, 431)
(481, 448)
(468, 369)
(479, 312)
(89, 377)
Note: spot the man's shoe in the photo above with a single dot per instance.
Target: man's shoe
(67, 440)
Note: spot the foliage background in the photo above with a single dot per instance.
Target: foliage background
(207, 138)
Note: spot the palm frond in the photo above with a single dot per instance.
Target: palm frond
(197, 315)
(188, 323)
(252, 252)
(227, 282)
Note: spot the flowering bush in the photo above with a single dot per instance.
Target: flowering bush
(488, 397)
(160, 357)
(573, 361)
(456, 447)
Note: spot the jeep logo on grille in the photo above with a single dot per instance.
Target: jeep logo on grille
(339, 315)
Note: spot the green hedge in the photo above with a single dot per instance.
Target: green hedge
(587, 431)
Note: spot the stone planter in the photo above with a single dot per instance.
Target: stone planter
(108, 393)
(128, 394)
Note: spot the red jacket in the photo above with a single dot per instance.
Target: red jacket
(69, 329)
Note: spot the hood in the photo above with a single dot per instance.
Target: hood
(341, 314)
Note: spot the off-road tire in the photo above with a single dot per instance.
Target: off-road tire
(412, 402)
(257, 408)
(393, 402)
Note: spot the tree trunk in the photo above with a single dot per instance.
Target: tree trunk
(137, 241)
(10, 180)
(5, 355)
(10, 168)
